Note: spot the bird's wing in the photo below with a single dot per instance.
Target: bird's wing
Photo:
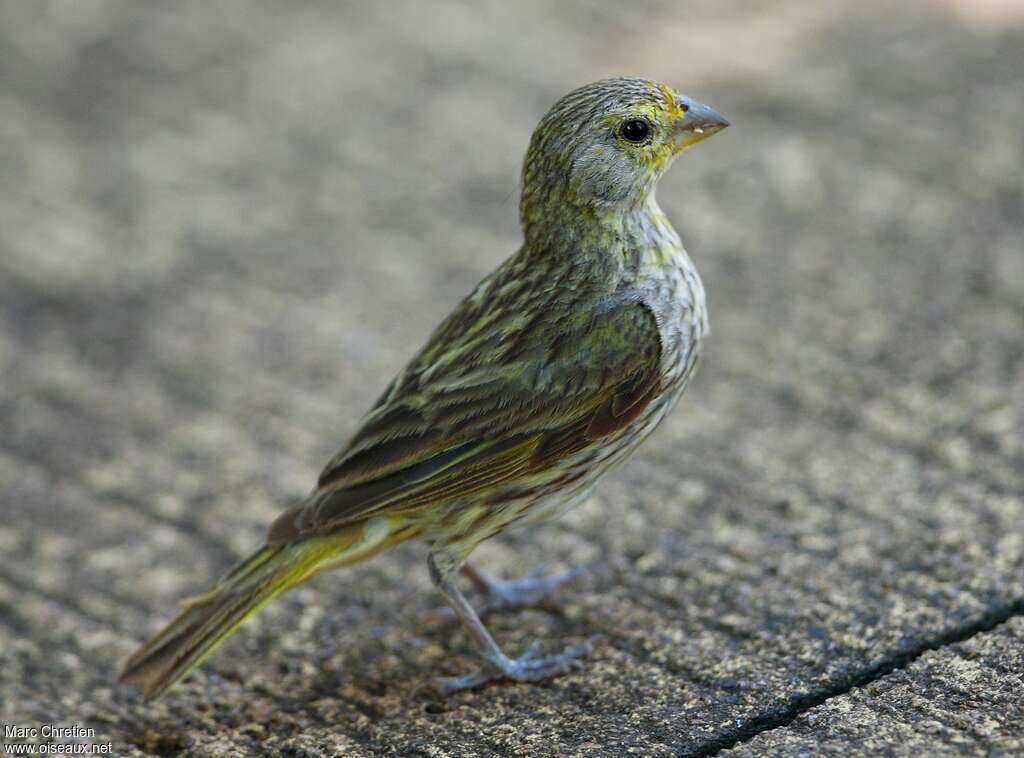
(460, 424)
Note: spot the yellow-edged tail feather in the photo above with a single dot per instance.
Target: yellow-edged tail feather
(207, 620)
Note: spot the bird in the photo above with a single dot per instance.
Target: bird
(548, 374)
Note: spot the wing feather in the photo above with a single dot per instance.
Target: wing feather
(450, 429)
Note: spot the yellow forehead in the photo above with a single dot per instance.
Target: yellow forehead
(670, 101)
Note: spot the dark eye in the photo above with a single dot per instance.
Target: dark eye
(635, 130)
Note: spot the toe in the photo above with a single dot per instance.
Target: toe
(528, 668)
(447, 685)
(525, 668)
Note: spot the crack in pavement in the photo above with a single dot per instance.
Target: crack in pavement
(788, 712)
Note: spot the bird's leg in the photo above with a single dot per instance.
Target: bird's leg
(496, 665)
(529, 591)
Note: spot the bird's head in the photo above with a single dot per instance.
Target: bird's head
(606, 144)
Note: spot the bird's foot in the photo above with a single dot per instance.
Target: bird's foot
(527, 592)
(525, 668)
(502, 594)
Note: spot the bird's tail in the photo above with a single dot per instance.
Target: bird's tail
(207, 620)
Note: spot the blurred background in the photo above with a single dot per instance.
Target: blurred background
(224, 226)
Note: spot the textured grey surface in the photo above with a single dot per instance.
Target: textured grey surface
(964, 698)
(224, 226)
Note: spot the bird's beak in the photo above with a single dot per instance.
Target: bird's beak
(697, 122)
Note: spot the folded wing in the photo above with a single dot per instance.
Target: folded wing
(485, 410)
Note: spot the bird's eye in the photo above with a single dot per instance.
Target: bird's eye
(635, 130)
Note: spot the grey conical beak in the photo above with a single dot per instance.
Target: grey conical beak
(698, 122)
